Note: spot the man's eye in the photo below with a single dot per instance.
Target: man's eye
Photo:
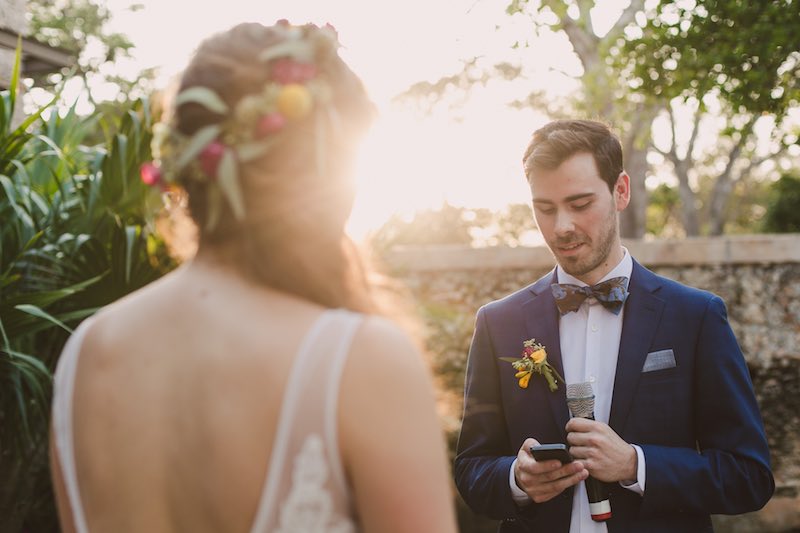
(581, 207)
(546, 210)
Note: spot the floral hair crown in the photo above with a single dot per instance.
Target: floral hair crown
(296, 84)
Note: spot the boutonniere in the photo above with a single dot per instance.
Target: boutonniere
(534, 359)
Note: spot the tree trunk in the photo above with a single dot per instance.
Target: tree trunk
(633, 219)
(635, 145)
(688, 199)
(724, 183)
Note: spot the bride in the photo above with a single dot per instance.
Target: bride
(255, 388)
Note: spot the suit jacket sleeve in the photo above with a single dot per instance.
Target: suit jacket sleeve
(731, 473)
(484, 454)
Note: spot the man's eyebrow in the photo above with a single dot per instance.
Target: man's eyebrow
(572, 198)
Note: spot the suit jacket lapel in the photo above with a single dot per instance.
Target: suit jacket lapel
(541, 323)
(642, 315)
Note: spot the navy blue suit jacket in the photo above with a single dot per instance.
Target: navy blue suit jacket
(697, 423)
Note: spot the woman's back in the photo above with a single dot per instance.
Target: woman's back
(174, 431)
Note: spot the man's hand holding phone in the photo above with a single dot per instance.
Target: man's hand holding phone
(543, 480)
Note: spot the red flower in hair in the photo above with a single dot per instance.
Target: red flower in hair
(210, 158)
(286, 70)
(150, 174)
(270, 123)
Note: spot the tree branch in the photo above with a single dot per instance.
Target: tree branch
(626, 18)
(585, 8)
(758, 161)
(585, 43)
(673, 151)
(693, 136)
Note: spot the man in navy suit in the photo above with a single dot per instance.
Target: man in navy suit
(677, 434)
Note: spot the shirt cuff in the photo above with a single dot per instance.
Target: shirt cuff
(636, 486)
(517, 494)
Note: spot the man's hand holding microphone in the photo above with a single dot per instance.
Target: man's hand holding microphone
(596, 454)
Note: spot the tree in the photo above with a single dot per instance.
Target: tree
(81, 27)
(732, 65)
(603, 96)
(661, 211)
(783, 215)
(739, 56)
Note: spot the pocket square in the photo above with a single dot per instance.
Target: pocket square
(659, 360)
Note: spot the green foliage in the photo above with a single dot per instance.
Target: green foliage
(81, 28)
(748, 51)
(662, 211)
(783, 209)
(75, 236)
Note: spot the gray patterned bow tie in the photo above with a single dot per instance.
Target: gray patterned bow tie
(610, 293)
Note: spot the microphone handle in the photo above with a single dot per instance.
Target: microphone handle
(597, 491)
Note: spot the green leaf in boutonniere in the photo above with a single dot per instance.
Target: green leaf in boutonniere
(533, 360)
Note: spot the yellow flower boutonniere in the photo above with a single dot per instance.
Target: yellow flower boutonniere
(534, 359)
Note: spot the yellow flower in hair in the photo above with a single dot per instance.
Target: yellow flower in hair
(294, 101)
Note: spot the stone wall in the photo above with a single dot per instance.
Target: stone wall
(757, 276)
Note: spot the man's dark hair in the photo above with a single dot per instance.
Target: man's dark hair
(559, 140)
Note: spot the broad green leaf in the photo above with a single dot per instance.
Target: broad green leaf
(131, 238)
(37, 312)
(29, 360)
(15, 73)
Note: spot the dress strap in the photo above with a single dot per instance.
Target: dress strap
(63, 388)
(309, 404)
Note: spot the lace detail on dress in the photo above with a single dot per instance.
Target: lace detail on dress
(309, 506)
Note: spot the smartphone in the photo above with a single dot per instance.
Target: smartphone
(548, 452)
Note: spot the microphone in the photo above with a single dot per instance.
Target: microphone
(580, 400)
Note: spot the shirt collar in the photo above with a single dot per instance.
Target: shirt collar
(624, 268)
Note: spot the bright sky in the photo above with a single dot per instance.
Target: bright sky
(410, 161)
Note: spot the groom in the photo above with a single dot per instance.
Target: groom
(677, 434)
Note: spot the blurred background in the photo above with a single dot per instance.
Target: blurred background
(703, 94)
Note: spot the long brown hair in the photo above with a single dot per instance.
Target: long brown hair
(292, 236)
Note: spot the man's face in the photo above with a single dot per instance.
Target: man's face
(577, 216)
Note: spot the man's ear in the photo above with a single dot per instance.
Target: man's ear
(622, 191)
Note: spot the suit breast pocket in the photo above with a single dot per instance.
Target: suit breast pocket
(661, 412)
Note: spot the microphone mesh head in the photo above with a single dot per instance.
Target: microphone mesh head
(580, 400)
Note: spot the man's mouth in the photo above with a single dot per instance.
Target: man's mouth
(569, 247)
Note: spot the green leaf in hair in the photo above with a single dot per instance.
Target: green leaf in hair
(203, 96)
(228, 180)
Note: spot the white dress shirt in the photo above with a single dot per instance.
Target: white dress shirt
(590, 340)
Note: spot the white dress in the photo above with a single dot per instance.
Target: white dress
(305, 488)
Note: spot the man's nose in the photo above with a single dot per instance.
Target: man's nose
(564, 223)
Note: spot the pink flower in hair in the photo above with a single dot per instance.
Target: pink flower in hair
(210, 158)
(150, 174)
(286, 70)
(269, 124)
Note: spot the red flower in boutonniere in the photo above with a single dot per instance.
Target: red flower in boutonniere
(534, 359)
